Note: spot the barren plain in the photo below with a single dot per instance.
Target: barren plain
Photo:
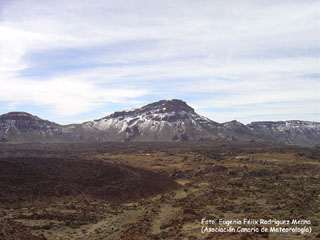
(145, 190)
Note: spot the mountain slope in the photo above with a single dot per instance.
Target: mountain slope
(303, 133)
(21, 127)
(165, 120)
(24, 127)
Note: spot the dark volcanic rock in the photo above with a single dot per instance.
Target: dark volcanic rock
(35, 178)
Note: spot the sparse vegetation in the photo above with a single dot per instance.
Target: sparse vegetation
(128, 190)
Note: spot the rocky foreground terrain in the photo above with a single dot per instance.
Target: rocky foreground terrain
(163, 121)
(155, 190)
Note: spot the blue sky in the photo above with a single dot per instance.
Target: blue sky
(73, 61)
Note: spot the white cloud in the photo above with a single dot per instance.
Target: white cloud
(233, 52)
(67, 97)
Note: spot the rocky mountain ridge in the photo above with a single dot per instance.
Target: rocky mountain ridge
(165, 120)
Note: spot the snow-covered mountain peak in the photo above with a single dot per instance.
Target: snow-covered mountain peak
(163, 107)
(164, 119)
(285, 125)
(172, 105)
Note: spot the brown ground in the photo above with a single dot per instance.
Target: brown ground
(126, 190)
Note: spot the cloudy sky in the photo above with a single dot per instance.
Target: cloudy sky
(76, 60)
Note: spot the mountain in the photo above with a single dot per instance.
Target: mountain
(303, 133)
(165, 120)
(24, 127)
